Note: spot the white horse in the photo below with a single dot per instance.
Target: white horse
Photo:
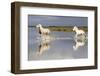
(42, 31)
(78, 31)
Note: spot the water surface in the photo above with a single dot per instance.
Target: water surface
(60, 45)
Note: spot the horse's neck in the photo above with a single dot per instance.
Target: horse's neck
(41, 27)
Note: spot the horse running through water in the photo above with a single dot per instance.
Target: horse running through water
(42, 31)
(78, 31)
(80, 38)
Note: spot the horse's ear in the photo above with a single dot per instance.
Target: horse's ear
(75, 26)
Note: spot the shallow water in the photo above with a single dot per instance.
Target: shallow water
(59, 45)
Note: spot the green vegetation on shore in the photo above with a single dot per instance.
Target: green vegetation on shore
(64, 28)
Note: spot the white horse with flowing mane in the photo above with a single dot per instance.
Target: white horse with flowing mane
(78, 31)
(80, 38)
(42, 31)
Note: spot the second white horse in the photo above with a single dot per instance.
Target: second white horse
(78, 31)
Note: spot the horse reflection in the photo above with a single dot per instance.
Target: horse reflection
(79, 42)
(43, 46)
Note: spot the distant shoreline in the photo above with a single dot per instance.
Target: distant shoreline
(63, 28)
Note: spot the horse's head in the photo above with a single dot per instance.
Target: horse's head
(39, 25)
(75, 28)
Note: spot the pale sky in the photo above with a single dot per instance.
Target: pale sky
(57, 20)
